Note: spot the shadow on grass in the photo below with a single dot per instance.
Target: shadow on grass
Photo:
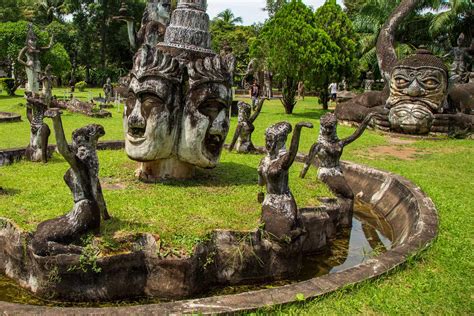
(314, 114)
(5, 97)
(226, 174)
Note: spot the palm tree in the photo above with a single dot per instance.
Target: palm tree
(49, 9)
(454, 16)
(228, 18)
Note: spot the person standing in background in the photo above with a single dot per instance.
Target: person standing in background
(333, 91)
(254, 93)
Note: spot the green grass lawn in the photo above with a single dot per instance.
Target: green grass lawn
(439, 281)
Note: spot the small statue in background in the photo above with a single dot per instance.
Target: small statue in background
(279, 210)
(55, 236)
(37, 149)
(329, 149)
(47, 80)
(369, 81)
(462, 59)
(108, 90)
(32, 63)
(243, 132)
(153, 26)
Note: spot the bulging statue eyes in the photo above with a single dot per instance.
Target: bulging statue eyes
(401, 81)
(431, 82)
(401, 113)
(420, 115)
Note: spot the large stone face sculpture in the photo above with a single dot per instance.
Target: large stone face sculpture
(177, 112)
(418, 91)
(418, 98)
(55, 236)
(279, 210)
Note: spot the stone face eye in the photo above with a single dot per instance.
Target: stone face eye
(130, 103)
(211, 109)
(419, 114)
(401, 81)
(431, 83)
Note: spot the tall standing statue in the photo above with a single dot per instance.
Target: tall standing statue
(369, 81)
(153, 26)
(108, 90)
(279, 210)
(37, 149)
(177, 113)
(462, 59)
(56, 235)
(329, 149)
(32, 63)
(243, 132)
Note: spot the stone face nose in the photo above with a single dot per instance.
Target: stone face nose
(136, 119)
(414, 90)
(220, 125)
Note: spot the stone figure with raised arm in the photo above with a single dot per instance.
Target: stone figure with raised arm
(32, 63)
(47, 81)
(55, 236)
(329, 150)
(243, 132)
(153, 26)
(279, 210)
(460, 66)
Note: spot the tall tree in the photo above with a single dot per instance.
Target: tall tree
(331, 18)
(292, 46)
(228, 18)
(272, 6)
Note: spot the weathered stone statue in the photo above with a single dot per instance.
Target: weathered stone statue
(268, 84)
(279, 210)
(37, 149)
(229, 58)
(243, 132)
(47, 81)
(177, 112)
(253, 72)
(418, 91)
(462, 59)
(417, 98)
(32, 63)
(153, 26)
(55, 236)
(369, 81)
(108, 90)
(329, 149)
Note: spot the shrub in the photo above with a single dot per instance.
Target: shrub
(9, 85)
(81, 86)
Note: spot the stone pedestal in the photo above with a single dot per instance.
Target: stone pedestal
(164, 169)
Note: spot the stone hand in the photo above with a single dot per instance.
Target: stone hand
(304, 124)
(52, 113)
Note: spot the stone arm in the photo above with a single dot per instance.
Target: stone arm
(257, 111)
(63, 146)
(309, 160)
(359, 131)
(20, 56)
(295, 141)
(238, 130)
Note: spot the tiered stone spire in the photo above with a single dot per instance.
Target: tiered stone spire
(189, 27)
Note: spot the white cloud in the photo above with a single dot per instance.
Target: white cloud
(250, 10)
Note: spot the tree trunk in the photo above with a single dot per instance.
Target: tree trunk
(324, 96)
(289, 95)
(105, 12)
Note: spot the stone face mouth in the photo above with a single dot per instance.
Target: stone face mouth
(214, 144)
(136, 134)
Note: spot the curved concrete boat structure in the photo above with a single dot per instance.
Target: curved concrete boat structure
(409, 211)
(8, 117)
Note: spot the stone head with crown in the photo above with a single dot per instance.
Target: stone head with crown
(177, 112)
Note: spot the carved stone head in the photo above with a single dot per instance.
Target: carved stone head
(276, 136)
(418, 90)
(328, 128)
(244, 111)
(152, 107)
(205, 122)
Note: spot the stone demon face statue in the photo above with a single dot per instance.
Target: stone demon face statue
(205, 121)
(152, 108)
(418, 90)
(177, 109)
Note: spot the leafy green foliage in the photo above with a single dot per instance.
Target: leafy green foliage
(338, 26)
(9, 85)
(81, 86)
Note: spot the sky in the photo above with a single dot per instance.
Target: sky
(250, 10)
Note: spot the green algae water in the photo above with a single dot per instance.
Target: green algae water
(369, 237)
